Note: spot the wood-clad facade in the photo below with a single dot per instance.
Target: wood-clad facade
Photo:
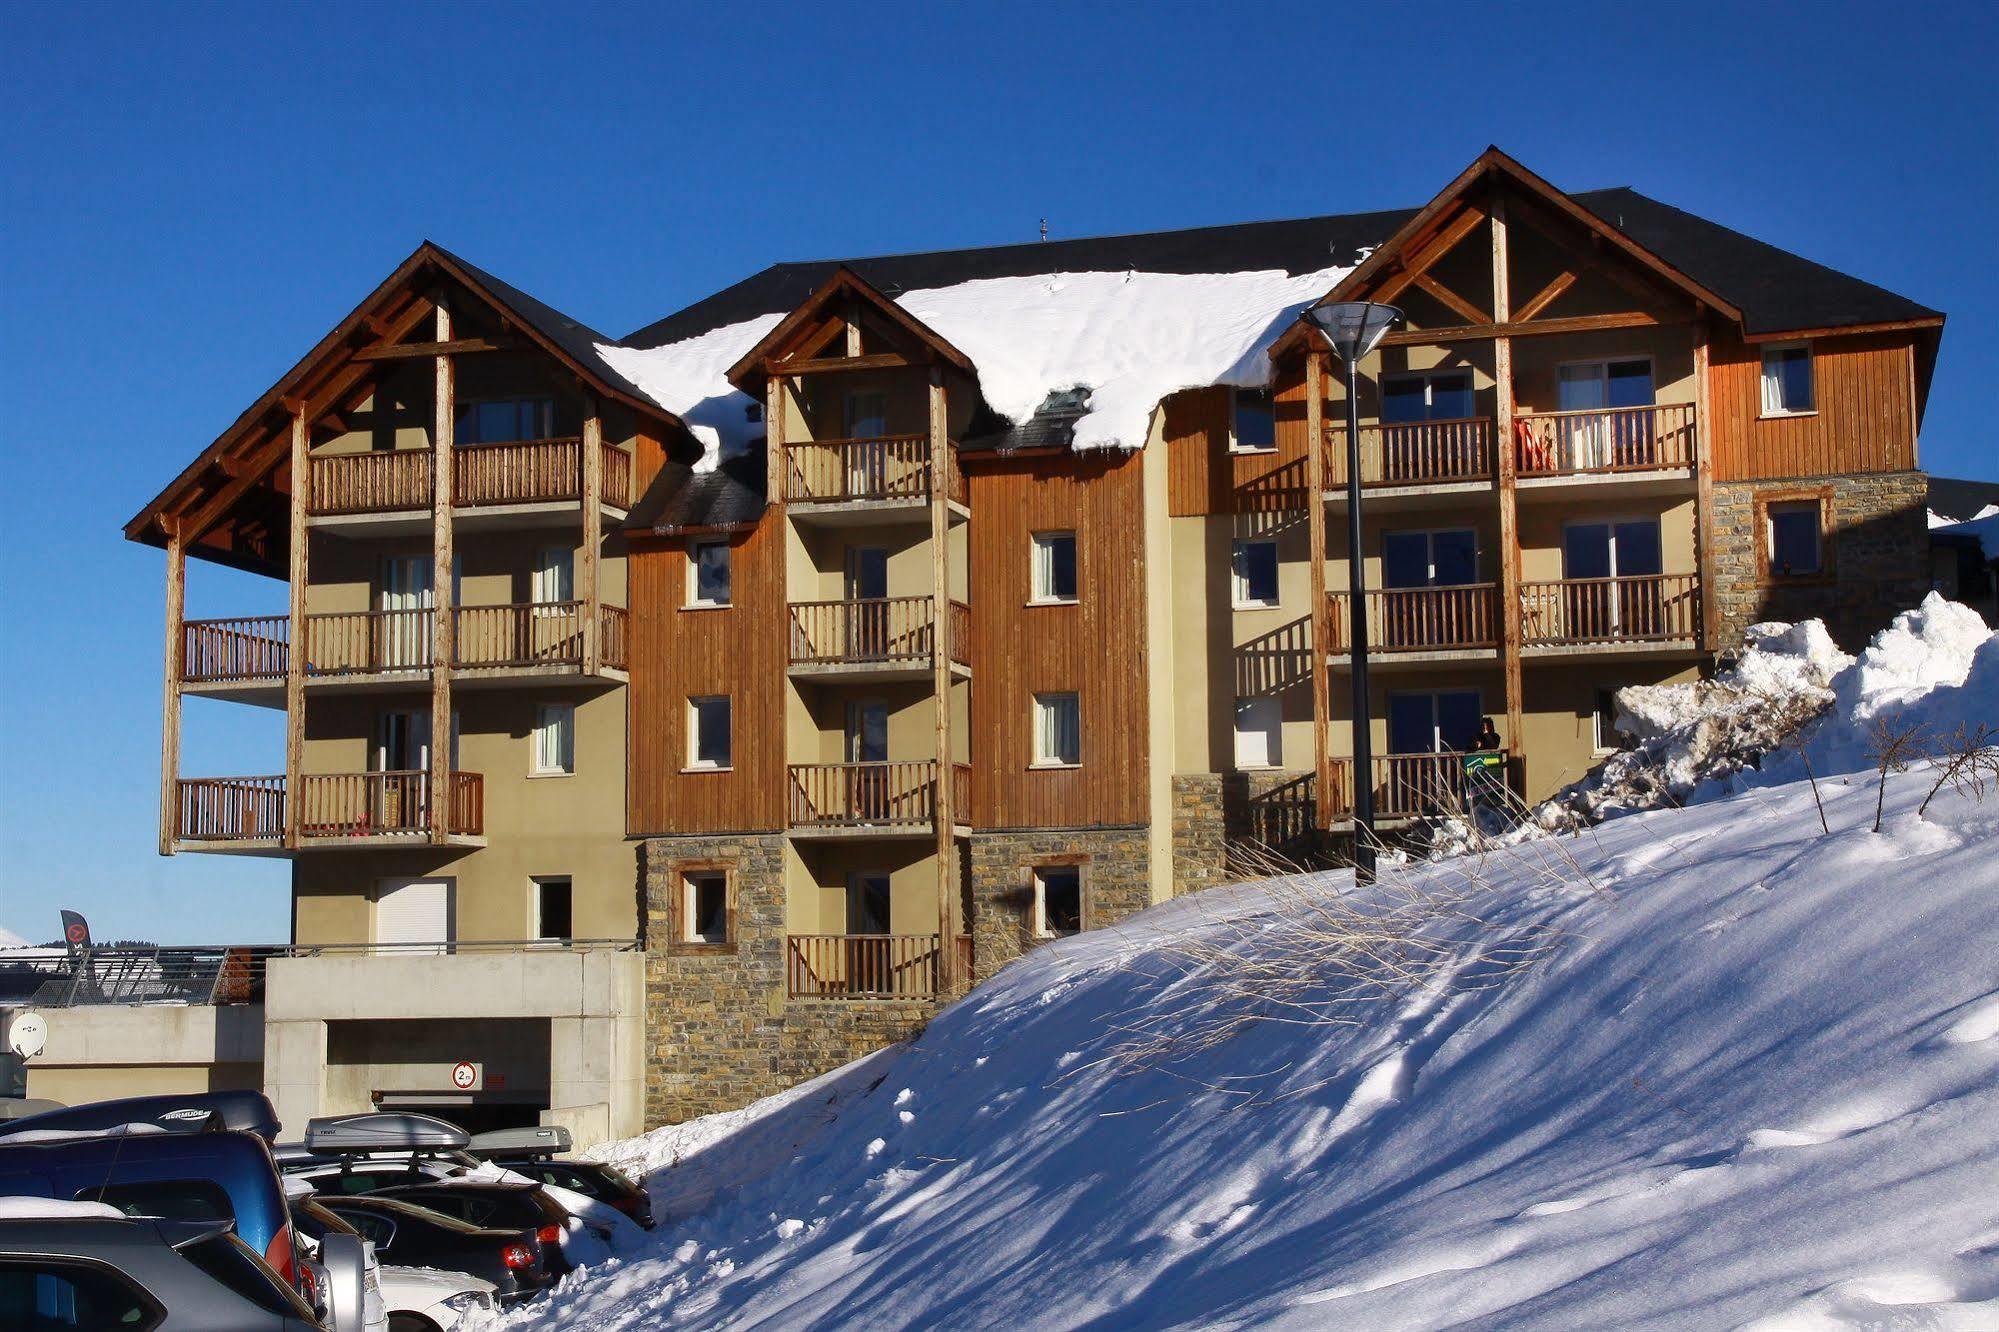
(1865, 421)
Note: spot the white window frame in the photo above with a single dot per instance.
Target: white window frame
(539, 882)
(695, 763)
(1235, 406)
(554, 572)
(1039, 923)
(690, 896)
(1045, 705)
(1603, 734)
(1269, 738)
(1041, 567)
(695, 600)
(1763, 380)
(1240, 597)
(556, 758)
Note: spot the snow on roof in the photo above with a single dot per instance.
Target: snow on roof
(16, 1208)
(1945, 520)
(1131, 338)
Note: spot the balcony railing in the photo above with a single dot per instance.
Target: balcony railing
(533, 471)
(1644, 608)
(1410, 786)
(884, 631)
(353, 643)
(247, 648)
(862, 966)
(872, 795)
(331, 805)
(1414, 453)
(368, 642)
(1421, 619)
(1618, 439)
(889, 467)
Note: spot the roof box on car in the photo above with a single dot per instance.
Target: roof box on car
(536, 1140)
(383, 1131)
(247, 1111)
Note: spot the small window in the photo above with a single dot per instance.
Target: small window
(1054, 566)
(705, 908)
(1787, 380)
(1253, 423)
(1255, 566)
(708, 732)
(1795, 550)
(708, 573)
(1058, 901)
(1259, 733)
(554, 739)
(554, 916)
(48, 1293)
(1604, 722)
(554, 576)
(1058, 730)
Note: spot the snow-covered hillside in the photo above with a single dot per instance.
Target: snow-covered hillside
(1751, 1082)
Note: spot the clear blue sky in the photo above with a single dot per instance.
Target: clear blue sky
(194, 194)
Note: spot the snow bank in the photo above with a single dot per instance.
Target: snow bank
(9, 939)
(1131, 338)
(1754, 1081)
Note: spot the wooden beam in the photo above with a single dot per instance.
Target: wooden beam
(409, 351)
(853, 336)
(1463, 308)
(820, 338)
(444, 418)
(297, 575)
(1509, 498)
(775, 463)
(1545, 297)
(1419, 261)
(1315, 528)
(170, 696)
(1710, 636)
(1515, 329)
(590, 585)
(820, 364)
(940, 677)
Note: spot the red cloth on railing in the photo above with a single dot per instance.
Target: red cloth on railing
(1530, 449)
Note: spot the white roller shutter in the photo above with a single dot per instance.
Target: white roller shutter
(414, 911)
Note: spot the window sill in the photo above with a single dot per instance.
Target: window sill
(1256, 605)
(692, 948)
(1052, 601)
(1785, 416)
(1235, 452)
(544, 776)
(1259, 767)
(1053, 767)
(708, 767)
(709, 606)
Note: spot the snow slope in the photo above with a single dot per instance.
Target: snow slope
(1753, 1085)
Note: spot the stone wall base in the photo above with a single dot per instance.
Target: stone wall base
(1116, 868)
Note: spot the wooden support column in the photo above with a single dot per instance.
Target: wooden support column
(940, 642)
(1509, 498)
(298, 573)
(170, 697)
(775, 463)
(1710, 635)
(1315, 527)
(443, 620)
(589, 585)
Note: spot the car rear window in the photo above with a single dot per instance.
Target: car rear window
(230, 1262)
(168, 1199)
(46, 1293)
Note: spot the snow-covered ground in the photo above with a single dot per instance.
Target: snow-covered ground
(1751, 1083)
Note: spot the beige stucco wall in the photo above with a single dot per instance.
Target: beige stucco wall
(816, 882)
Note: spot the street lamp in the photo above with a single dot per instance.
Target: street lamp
(1355, 328)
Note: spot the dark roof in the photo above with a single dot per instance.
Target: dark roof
(730, 496)
(1053, 425)
(1955, 497)
(1775, 290)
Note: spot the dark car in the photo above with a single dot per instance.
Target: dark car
(407, 1235)
(492, 1203)
(163, 1276)
(593, 1179)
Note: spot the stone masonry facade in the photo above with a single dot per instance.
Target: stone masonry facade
(1116, 865)
(1876, 549)
(720, 1031)
(1200, 840)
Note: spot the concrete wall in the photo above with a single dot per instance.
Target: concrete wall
(129, 1050)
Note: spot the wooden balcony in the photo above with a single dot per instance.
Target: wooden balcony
(1409, 786)
(488, 480)
(872, 799)
(540, 637)
(867, 480)
(1414, 458)
(888, 638)
(345, 809)
(863, 966)
(1421, 622)
(1647, 613)
(1652, 447)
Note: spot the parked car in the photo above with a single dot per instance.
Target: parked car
(223, 1176)
(194, 1112)
(499, 1206)
(105, 1271)
(430, 1299)
(312, 1224)
(593, 1179)
(406, 1235)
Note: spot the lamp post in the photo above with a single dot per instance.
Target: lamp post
(1355, 328)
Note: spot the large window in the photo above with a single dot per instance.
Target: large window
(1444, 721)
(1259, 733)
(504, 420)
(1058, 730)
(708, 726)
(1442, 396)
(708, 573)
(1058, 901)
(554, 575)
(1796, 549)
(1252, 422)
(554, 739)
(554, 907)
(1787, 380)
(1254, 568)
(1444, 558)
(1054, 572)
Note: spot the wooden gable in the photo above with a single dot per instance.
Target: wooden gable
(845, 325)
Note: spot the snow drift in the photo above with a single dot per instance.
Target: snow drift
(1752, 1085)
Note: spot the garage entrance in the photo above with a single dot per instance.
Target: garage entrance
(478, 1073)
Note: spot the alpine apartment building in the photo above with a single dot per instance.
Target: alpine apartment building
(650, 748)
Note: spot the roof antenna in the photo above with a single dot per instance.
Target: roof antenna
(1044, 228)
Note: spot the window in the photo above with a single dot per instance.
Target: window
(708, 573)
(170, 1200)
(1253, 424)
(1443, 722)
(1604, 722)
(867, 414)
(1787, 380)
(504, 420)
(1054, 566)
(554, 739)
(708, 732)
(704, 908)
(48, 1293)
(1795, 550)
(1255, 566)
(1428, 397)
(1446, 558)
(1058, 731)
(554, 575)
(1259, 732)
(554, 910)
(868, 902)
(1058, 900)
(234, 1264)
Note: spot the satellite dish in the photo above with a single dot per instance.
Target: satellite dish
(27, 1034)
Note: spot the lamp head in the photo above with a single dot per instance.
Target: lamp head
(1355, 328)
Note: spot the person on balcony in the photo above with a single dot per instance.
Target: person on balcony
(1485, 778)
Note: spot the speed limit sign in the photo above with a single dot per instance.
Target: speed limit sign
(465, 1075)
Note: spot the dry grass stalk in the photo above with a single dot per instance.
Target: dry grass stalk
(1966, 760)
